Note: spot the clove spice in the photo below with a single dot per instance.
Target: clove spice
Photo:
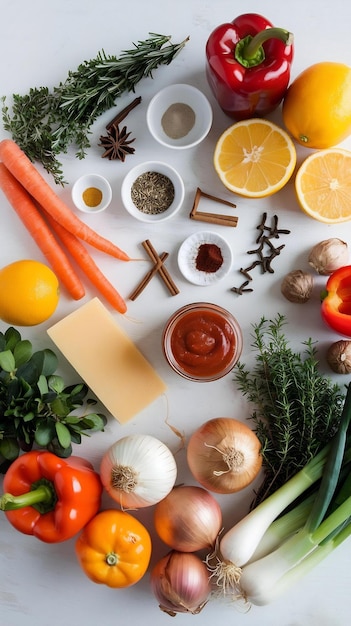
(264, 260)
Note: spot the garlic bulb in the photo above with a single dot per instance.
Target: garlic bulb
(339, 356)
(297, 286)
(328, 255)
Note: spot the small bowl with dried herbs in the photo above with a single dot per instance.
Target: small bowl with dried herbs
(152, 191)
(179, 116)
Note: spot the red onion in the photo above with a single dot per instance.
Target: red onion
(180, 582)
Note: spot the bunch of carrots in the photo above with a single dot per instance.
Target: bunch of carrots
(51, 223)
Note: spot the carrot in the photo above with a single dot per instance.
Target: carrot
(28, 213)
(88, 265)
(25, 172)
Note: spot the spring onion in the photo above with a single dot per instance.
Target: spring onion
(254, 564)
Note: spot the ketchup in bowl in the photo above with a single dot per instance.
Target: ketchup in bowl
(202, 341)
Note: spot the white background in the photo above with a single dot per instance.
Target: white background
(40, 41)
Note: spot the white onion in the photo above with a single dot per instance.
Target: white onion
(180, 582)
(138, 471)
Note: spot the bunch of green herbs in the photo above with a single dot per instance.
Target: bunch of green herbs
(44, 122)
(36, 408)
(297, 410)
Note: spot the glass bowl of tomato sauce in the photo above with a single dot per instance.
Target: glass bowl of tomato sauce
(202, 341)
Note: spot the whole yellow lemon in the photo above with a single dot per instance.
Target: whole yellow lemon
(29, 293)
(317, 105)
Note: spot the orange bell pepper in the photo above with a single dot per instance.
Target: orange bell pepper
(114, 549)
(50, 497)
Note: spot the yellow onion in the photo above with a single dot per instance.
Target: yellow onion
(180, 583)
(188, 519)
(224, 455)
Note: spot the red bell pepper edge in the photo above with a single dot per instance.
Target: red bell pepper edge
(244, 92)
(49, 497)
(336, 301)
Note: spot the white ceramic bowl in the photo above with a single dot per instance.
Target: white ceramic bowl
(98, 196)
(172, 103)
(187, 256)
(141, 170)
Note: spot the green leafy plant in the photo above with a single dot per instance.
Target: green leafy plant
(36, 407)
(46, 122)
(297, 410)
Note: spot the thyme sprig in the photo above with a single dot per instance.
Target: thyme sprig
(296, 409)
(44, 123)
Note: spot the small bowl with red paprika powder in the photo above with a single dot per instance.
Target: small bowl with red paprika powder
(202, 342)
(92, 193)
(204, 258)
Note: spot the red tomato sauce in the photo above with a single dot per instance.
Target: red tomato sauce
(203, 343)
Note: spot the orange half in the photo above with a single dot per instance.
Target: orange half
(254, 158)
(323, 185)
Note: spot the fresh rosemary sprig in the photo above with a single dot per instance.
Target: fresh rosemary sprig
(45, 123)
(297, 409)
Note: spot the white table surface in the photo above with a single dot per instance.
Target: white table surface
(40, 41)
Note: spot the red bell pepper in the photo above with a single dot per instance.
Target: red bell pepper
(248, 65)
(49, 497)
(336, 301)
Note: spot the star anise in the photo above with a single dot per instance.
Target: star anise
(116, 143)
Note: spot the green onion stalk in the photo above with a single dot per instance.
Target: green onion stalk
(294, 529)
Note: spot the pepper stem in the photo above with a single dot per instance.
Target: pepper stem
(111, 559)
(249, 51)
(41, 498)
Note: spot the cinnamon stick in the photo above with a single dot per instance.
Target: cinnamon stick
(122, 114)
(137, 291)
(212, 218)
(163, 272)
(216, 199)
(197, 198)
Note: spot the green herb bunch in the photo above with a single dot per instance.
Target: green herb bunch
(44, 123)
(297, 409)
(36, 408)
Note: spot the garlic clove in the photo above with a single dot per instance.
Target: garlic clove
(297, 286)
(329, 255)
(339, 356)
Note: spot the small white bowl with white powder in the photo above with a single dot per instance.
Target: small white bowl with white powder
(179, 116)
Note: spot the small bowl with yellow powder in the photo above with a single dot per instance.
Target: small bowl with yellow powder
(92, 193)
(179, 116)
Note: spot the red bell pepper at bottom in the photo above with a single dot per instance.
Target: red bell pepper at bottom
(248, 65)
(336, 301)
(50, 497)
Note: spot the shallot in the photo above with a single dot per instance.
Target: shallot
(188, 519)
(180, 582)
